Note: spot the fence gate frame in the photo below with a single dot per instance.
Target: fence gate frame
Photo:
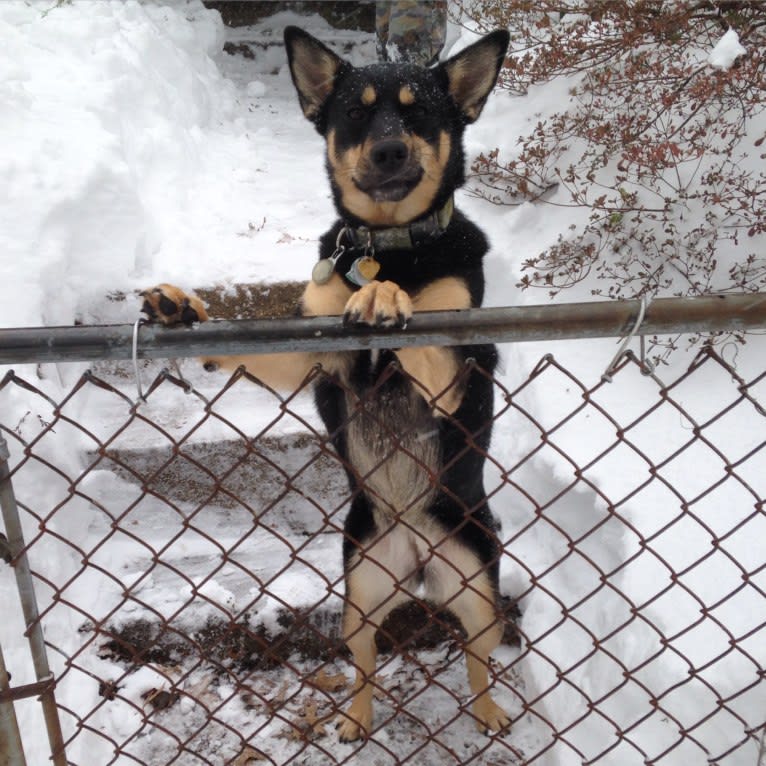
(16, 557)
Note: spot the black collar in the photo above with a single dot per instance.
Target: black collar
(404, 237)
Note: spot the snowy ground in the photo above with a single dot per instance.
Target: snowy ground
(134, 151)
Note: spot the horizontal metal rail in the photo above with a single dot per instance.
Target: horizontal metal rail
(13, 693)
(719, 313)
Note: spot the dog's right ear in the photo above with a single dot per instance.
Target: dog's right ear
(472, 73)
(313, 67)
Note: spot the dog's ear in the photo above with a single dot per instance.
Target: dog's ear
(313, 67)
(472, 73)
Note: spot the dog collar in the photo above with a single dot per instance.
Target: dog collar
(365, 268)
(405, 237)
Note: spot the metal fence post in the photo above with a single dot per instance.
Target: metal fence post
(25, 584)
(11, 750)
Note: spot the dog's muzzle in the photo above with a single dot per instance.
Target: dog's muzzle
(390, 172)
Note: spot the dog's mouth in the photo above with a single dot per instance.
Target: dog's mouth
(390, 189)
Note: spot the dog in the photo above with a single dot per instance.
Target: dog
(411, 426)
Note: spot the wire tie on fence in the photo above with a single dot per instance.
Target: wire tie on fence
(646, 367)
(136, 372)
(188, 387)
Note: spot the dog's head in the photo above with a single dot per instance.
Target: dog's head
(393, 131)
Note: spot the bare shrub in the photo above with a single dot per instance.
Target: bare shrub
(663, 152)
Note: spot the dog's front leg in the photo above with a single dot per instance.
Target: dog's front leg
(433, 369)
(287, 371)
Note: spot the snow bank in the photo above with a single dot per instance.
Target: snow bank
(106, 110)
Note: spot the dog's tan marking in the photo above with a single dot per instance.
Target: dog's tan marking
(475, 606)
(351, 164)
(374, 586)
(435, 368)
(326, 300)
(456, 578)
(434, 371)
(369, 96)
(406, 96)
(287, 371)
(447, 293)
(282, 372)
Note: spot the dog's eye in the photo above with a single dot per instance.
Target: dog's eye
(417, 110)
(356, 113)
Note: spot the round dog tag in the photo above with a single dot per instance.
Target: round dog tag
(322, 271)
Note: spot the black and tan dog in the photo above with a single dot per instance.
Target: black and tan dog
(413, 434)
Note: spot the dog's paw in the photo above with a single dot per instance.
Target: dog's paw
(380, 304)
(490, 717)
(171, 305)
(354, 724)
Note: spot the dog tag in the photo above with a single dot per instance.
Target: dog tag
(363, 270)
(322, 271)
(368, 267)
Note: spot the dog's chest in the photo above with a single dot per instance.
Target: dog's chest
(393, 446)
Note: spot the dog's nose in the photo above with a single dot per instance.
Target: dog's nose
(389, 156)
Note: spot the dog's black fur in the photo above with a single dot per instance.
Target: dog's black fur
(411, 426)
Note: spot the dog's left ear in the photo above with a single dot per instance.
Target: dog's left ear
(472, 73)
(313, 67)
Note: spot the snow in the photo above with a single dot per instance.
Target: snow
(727, 50)
(134, 151)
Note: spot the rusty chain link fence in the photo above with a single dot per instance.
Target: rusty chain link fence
(184, 586)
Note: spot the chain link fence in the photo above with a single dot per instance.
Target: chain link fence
(185, 578)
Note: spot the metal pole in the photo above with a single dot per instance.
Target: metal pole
(25, 585)
(11, 749)
(738, 313)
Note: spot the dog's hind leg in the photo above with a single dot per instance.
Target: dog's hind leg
(468, 589)
(479, 619)
(376, 581)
